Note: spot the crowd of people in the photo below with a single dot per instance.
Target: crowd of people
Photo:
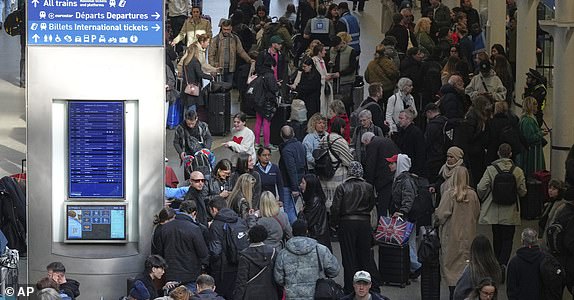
(439, 106)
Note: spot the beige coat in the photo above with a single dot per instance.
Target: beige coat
(492, 213)
(191, 30)
(457, 230)
(216, 52)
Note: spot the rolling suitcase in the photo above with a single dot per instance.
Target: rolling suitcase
(430, 281)
(394, 264)
(531, 204)
(279, 119)
(219, 112)
(544, 177)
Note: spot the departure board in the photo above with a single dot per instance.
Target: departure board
(96, 152)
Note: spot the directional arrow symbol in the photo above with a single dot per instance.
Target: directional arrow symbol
(156, 27)
(156, 15)
(35, 2)
(35, 37)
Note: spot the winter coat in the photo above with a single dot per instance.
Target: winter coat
(495, 127)
(143, 288)
(216, 52)
(452, 102)
(191, 140)
(354, 200)
(457, 230)
(523, 280)
(193, 74)
(395, 104)
(383, 71)
(377, 113)
(411, 141)
(308, 92)
(412, 69)
(376, 167)
(425, 41)
(402, 34)
(404, 188)
(268, 106)
(441, 16)
(71, 288)
(292, 163)
(222, 271)
(191, 29)
(201, 198)
(493, 83)
(277, 227)
(532, 159)
(315, 214)
(492, 213)
(360, 148)
(435, 147)
(297, 267)
(255, 273)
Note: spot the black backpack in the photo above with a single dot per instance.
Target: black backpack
(14, 23)
(201, 163)
(235, 240)
(504, 191)
(325, 168)
(553, 278)
(555, 233)
(256, 91)
(423, 206)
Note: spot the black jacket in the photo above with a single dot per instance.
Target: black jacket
(253, 260)
(181, 244)
(523, 274)
(308, 92)
(435, 145)
(268, 106)
(401, 33)
(305, 12)
(146, 280)
(206, 295)
(315, 213)
(193, 74)
(412, 69)
(71, 288)
(452, 102)
(376, 167)
(353, 201)
(200, 198)
(224, 273)
(293, 163)
(411, 141)
(377, 113)
(191, 140)
(495, 127)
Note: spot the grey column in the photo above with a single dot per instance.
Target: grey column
(525, 43)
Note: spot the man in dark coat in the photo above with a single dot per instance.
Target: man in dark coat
(472, 16)
(293, 166)
(377, 170)
(206, 289)
(224, 272)
(401, 33)
(377, 111)
(436, 144)
(453, 98)
(411, 141)
(412, 67)
(523, 272)
(198, 193)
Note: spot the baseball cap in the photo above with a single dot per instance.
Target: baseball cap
(276, 40)
(362, 276)
(392, 159)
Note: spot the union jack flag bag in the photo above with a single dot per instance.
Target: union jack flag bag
(395, 231)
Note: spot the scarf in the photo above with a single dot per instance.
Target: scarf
(447, 170)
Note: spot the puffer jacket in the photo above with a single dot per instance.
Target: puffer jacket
(297, 267)
(383, 71)
(492, 213)
(354, 200)
(404, 187)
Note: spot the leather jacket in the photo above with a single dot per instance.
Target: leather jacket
(354, 199)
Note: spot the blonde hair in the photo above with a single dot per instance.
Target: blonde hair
(500, 107)
(312, 45)
(244, 187)
(529, 105)
(460, 179)
(268, 205)
(345, 37)
(313, 122)
(424, 25)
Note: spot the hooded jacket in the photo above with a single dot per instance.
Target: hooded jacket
(452, 102)
(404, 187)
(297, 267)
(523, 274)
(253, 260)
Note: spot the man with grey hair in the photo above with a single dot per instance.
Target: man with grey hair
(293, 167)
(523, 271)
(411, 141)
(366, 121)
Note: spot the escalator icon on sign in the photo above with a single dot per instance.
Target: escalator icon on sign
(134, 39)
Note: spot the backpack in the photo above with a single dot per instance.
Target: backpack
(14, 23)
(555, 233)
(553, 277)
(325, 168)
(423, 207)
(504, 191)
(269, 30)
(200, 162)
(235, 240)
(256, 91)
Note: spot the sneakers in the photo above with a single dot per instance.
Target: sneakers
(416, 273)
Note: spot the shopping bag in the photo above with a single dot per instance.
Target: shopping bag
(395, 231)
(174, 113)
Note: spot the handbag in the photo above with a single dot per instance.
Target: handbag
(327, 90)
(327, 288)
(430, 245)
(394, 231)
(191, 89)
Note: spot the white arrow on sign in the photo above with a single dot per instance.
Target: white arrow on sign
(156, 27)
(156, 15)
(35, 2)
(35, 37)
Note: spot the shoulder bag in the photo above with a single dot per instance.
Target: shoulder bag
(191, 89)
(326, 288)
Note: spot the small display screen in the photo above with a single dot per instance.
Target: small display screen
(96, 222)
(96, 149)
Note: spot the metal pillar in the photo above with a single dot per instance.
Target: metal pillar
(562, 29)
(525, 43)
(496, 23)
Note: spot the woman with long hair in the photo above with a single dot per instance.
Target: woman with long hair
(449, 69)
(314, 210)
(193, 74)
(306, 87)
(270, 174)
(502, 128)
(218, 183)
(333, 13)
(241, 197)
(457, 216)
(165, 215)
(274, 220)
(318, 55)
(337, 110)
(202, 44)
(475, 138)
(482, 263)
(422, 32)
(486, 289)
(503, 70)
(246, 165)
(532, 158)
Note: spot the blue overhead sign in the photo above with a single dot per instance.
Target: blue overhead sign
(95, 22)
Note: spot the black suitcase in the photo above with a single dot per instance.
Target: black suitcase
(219, 112)
(279, 119)
(531, 204)
(394, 264)
(430, 281)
